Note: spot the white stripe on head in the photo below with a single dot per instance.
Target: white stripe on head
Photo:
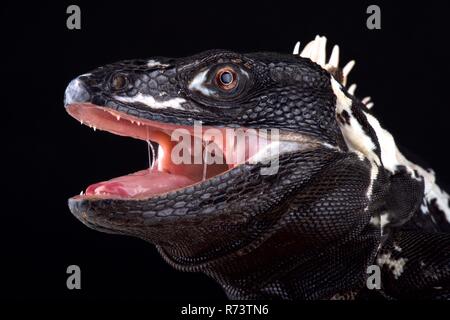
(198, 83)
(151, 102)
(153, 63)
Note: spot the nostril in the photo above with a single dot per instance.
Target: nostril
(76, 92)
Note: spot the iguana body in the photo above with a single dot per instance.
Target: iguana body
(344, 198)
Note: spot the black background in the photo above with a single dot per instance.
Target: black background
(48, 156)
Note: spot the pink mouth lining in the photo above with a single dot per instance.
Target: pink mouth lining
(165, 175)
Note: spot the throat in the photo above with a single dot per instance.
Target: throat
(292, 272)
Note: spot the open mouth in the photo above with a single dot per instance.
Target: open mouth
(173, 166)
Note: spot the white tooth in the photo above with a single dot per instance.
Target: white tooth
(81, 193)
(369, 105)
(296, 48)
(81, 121)
(94, 128)
(334, 58)
(132, 121)
(138, 123)
(118, 117)
(321, 51)
(352, 89)
(348, 67)
(366, 100)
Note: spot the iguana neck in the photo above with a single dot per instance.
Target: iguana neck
(281, 268)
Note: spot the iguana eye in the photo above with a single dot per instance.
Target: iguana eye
(118, 81)
(226, 78)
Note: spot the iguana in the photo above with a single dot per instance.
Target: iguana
(343, 197)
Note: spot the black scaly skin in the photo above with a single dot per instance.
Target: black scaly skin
(303, 233)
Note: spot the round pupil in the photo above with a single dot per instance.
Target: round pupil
(118, 82)
(226, 77)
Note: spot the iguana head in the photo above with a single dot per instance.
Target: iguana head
(269, 175)
(195, 212)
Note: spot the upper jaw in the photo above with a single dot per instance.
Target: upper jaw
(167, 105)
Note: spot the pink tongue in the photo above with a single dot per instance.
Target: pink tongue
(141, 183)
